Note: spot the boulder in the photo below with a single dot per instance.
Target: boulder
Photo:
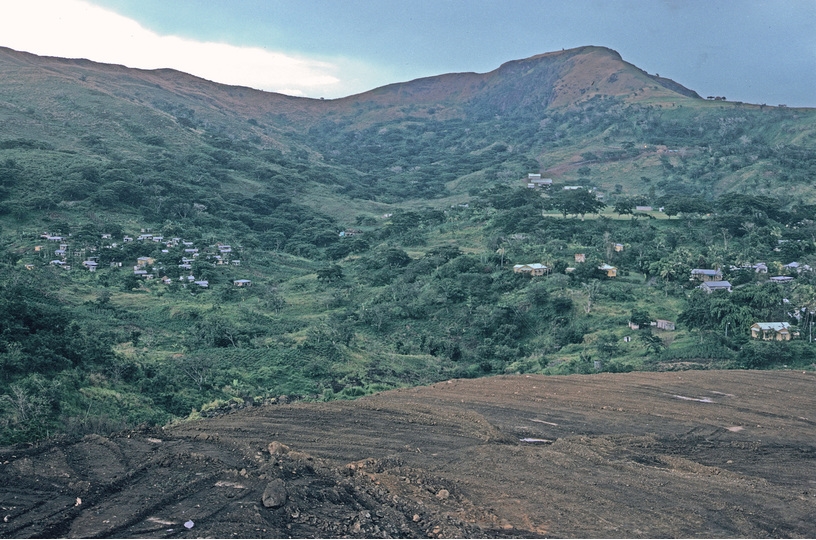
(275, 495)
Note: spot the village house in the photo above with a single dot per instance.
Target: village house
(663, 324)
(90, 265)
(534, 269)
(609, 270)
(618, 247)
(711, 286)
(202, 283)
(242, 283)
(780, 279)
(796, 267)
(580, 257)
(534, 180)
(704, 274)
(771, 331)
(643, 208)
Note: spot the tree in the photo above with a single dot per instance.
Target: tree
(624, 205)
(653, 343)
(330, 273)
(577, 202)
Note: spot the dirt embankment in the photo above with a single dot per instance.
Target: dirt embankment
(692, 454)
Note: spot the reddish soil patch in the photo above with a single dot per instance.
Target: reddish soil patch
(609, 455)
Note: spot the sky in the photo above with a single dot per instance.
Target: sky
(746, 50)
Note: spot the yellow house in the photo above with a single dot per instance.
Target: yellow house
(534, 269)
(771, 331)
(610, 271)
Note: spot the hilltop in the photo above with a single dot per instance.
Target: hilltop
(557, 112)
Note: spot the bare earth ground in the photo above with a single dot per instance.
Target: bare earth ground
(690, 454)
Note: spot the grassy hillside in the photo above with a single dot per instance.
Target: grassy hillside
(379, 233)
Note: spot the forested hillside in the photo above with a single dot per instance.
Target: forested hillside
(173, 247)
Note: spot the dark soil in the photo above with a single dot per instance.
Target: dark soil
(691, 454)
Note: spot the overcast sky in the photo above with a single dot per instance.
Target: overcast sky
(747, 50)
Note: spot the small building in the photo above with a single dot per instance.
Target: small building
(534, 269)
(580, 257)
(242, 282)
(634, 326)
(609, 270)
(534, 180)
(202, 283)
(712, 286)
(663, 324)
(643, 208)
(618, 247)
(90, 265)
(771, 331)
(145, 261)
(705, 274)
(796, 267)
(781, 279)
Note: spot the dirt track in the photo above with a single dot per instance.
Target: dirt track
(691, 454)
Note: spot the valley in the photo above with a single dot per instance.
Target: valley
(174, 249)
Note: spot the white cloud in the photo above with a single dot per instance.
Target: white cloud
(77, 29)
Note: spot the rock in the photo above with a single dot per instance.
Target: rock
(274, 496)
(442, 494)
(275, 448)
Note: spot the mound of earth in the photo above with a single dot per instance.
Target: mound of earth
(691, 454)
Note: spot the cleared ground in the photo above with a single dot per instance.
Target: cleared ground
(690, 454)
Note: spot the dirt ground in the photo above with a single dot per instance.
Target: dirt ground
(680, 454)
